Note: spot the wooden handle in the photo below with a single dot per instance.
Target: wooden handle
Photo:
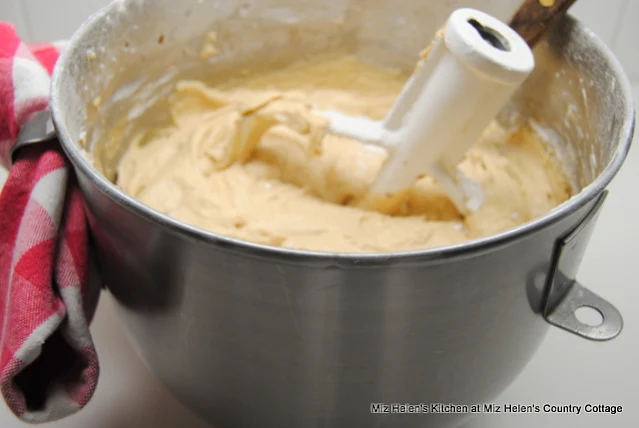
(535, 17)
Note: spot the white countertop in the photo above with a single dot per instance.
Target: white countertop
(566, 369)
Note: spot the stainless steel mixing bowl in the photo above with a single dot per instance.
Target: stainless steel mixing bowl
(247, 335)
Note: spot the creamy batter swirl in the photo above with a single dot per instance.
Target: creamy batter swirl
(249, 159)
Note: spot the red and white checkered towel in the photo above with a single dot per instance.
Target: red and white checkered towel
(48, 292)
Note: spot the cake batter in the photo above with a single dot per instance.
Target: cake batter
(248, 159)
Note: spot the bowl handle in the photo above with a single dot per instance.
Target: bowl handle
(564, 295)
(38, 128)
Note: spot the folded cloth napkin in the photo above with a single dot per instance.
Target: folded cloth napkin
(48, 287)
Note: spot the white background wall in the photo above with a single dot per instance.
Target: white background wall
(615, 21)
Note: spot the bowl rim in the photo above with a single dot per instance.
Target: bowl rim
(472, 247)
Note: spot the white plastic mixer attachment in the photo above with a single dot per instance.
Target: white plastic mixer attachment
(473, 68)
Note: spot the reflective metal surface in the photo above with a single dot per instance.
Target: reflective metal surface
(37, 129)
(247, 335)
(565, 296)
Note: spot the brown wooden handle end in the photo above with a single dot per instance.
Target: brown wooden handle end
(535, 17)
